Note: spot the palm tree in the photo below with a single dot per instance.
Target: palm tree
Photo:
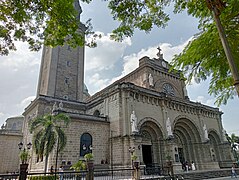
(48, 133)
(233, 140)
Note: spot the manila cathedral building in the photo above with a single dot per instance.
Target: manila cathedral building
(147, 111)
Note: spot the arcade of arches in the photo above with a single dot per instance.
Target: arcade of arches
(187, 144)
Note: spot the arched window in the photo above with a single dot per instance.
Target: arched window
(168, 89)
(96, 113)
(85, 144)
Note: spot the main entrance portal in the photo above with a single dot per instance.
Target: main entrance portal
(147, 154)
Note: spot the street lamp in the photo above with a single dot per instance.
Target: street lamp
(131, 151)
(24, 158)
(20, 145)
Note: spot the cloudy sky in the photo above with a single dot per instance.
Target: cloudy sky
(106, 63)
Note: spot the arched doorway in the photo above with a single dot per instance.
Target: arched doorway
(187, 139)
(151, 148)
(214, 141)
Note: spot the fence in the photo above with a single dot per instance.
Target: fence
(99, 174)
(73, 175)
(14, 176)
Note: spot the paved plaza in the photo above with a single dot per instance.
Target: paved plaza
(222, 178)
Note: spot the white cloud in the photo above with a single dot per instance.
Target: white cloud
(205, 100)
(169, 50)
(106, 54)
(131, 62)
(110, 52)
(25, 102)
(98, 82)
(18, 79)
(21, 58)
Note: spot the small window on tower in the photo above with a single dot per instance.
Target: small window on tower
(68, 63)
(67, 80)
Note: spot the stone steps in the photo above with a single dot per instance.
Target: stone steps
(206, 174)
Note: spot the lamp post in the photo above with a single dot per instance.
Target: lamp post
(24, 155)
(131, 151)
(57, 150)
(20, 145)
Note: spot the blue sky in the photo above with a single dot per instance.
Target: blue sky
(106, 63)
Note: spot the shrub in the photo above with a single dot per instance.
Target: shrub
(88, 157)
(48, 177)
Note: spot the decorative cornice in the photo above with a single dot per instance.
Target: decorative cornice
(159, 99)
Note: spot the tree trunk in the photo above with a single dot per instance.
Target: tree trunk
(46, 161)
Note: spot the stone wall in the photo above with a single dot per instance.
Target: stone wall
(9, 156)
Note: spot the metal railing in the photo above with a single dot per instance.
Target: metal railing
(9, 176)
(99, 174)
(107, 174)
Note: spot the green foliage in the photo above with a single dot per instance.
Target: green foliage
(80, 165)
(168, 157)
(24, 156)
(135, 14)
(48, 177)
(88, 156)
(47, 132)
(134, 157)
(204, 56)
(233, 139)
(41, 22)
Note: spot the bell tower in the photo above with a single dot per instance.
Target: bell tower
(62, 70)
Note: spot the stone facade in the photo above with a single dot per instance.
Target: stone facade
(158, 103)
(10, 136)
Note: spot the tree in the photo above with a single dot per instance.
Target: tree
(47, 132)
(233, 139)
(205, 56)
(41, 22)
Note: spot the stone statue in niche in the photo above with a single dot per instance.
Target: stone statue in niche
(133, 121)
(169, 128)
(54, 108)
(205, 132)
(151, 80)
(61, 106)
(224, 133)
(185, 91)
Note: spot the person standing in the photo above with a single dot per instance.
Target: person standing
(61, 172)
(186, 164)
(52, 170)
(193, 166)
(234, 171)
